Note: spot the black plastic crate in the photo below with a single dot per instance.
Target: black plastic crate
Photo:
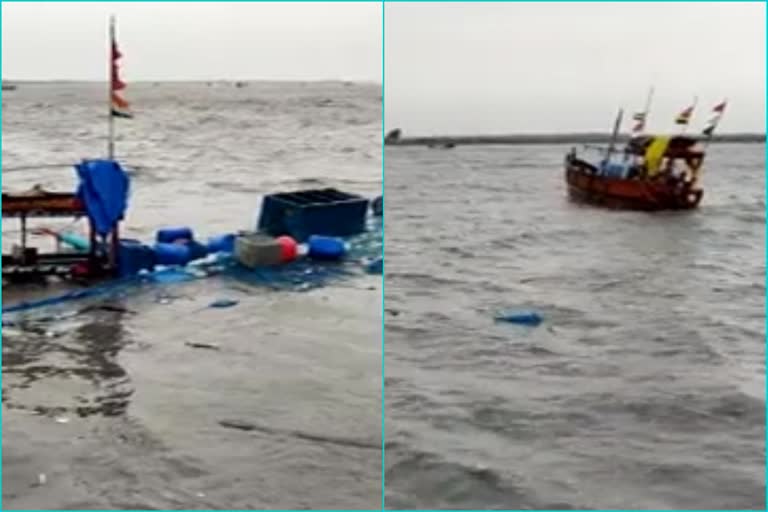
(304, 213)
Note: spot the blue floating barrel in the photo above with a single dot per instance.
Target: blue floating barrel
(520, 317)
(133, 257)
(326, 248)
(172, 254)
(170, 235)
(196, 250)
(221, 243)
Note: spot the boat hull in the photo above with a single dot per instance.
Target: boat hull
(629, 194)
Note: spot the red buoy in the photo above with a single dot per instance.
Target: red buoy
(288, 248)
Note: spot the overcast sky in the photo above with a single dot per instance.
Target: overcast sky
(457, 68)
(194, 41)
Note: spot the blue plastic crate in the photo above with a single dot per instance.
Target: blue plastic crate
(301, 214)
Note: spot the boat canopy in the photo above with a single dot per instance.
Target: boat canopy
(679, 146)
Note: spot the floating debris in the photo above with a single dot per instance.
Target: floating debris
(531, 318)
(208, 346)
(306, 436)
(237, 424)
(223, 303)
(299, 276)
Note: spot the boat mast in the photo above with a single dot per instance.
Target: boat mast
(614, 135)
(647, 106)
(111, 81)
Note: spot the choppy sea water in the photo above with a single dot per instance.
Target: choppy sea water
(644, 388)
(112, 405)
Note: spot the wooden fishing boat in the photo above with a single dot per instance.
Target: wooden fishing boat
(652, 173)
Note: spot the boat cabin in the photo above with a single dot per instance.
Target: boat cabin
(649, 157)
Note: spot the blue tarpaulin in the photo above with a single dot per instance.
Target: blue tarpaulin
(104, 192)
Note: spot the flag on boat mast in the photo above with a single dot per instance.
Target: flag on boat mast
(640, 118)
(684, 117)
(717, 114)
(118, 106)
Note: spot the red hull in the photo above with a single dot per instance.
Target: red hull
(630, 194)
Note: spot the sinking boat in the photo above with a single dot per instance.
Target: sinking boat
(101, 197)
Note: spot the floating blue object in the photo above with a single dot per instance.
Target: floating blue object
(377, 206)
(223, 303)
(326, 248)
(375, 266)
(170, 235)
(221, 243)
(103, 190)
(133, 257)
(196, 250)
(520, 317)
(172, 254)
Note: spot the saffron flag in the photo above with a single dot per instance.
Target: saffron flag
(684, 117)
(120, 107)
(717, 113)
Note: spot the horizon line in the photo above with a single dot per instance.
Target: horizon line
(565, 132)
(153, 80)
